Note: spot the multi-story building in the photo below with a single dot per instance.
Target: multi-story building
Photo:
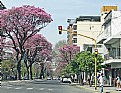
(1, 34)
(105, 29)
(89, 26)
(5, 51)
(2, 6)
(111, 40)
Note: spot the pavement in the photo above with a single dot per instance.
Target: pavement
(107, 89)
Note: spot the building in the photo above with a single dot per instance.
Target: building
(2, 6)
(1, 34)
(111, 40)
(105, 29)
(89, 26)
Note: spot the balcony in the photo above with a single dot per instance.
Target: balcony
(101, 37)
(111, 60)
(110, 57)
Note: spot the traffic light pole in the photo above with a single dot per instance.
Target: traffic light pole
(95, 46)
(95, 67)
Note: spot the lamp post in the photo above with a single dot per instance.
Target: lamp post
(95, 47)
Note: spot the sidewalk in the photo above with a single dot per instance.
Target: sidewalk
(107, 89)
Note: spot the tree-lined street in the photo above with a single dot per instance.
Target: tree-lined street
(88, 60)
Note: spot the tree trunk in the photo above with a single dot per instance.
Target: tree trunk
(31, 72)
(81, 80)
(42, 72)
(19, 70)
(27, 73)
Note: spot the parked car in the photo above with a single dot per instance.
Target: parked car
(49, 78)
(66, 80)
(54, 78)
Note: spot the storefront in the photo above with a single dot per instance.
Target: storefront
(111, 70)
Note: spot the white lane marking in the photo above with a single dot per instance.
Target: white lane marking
(18, 88)
(50, 89)
(29, 88)
(41, 88)
(8, 87)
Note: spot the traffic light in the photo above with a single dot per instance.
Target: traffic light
(96, 52)
(60, 29)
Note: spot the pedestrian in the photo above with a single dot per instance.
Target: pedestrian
(98, 79)
(101, 82)
(91, 80)
(118, 80)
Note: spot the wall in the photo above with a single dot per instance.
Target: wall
(91, 29)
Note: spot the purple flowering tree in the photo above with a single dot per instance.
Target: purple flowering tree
(67, 53)
(38, 50)
(22, 23)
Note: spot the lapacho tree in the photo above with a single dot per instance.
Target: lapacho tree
(22, 23)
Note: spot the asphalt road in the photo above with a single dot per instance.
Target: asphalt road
(41, 86)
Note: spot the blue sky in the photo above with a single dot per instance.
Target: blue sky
(61, 10)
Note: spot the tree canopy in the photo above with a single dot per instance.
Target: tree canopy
(19, 24)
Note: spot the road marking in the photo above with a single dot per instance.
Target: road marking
(29, 88)
(50, 89)
(18, 88)
(41, 88)
(8, 87)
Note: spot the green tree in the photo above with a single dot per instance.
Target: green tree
(84, 62)
(8, 68)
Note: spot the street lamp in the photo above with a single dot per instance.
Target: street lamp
(96, 52)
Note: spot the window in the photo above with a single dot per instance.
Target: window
(74, 27)
(75, 33)
(74, 40)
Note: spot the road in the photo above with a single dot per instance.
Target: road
(41, 86)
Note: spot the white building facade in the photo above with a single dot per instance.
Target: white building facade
(88, 26)
(111, 40)
(106, 30)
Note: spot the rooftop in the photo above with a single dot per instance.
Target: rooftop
(88, 18)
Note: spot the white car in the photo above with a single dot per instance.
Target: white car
(66, 80)
(49, 78)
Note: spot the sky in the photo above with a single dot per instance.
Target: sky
(61, 10)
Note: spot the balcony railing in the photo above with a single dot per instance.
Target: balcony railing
(109, 57)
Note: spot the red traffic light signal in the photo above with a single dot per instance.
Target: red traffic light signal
(60, 29)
